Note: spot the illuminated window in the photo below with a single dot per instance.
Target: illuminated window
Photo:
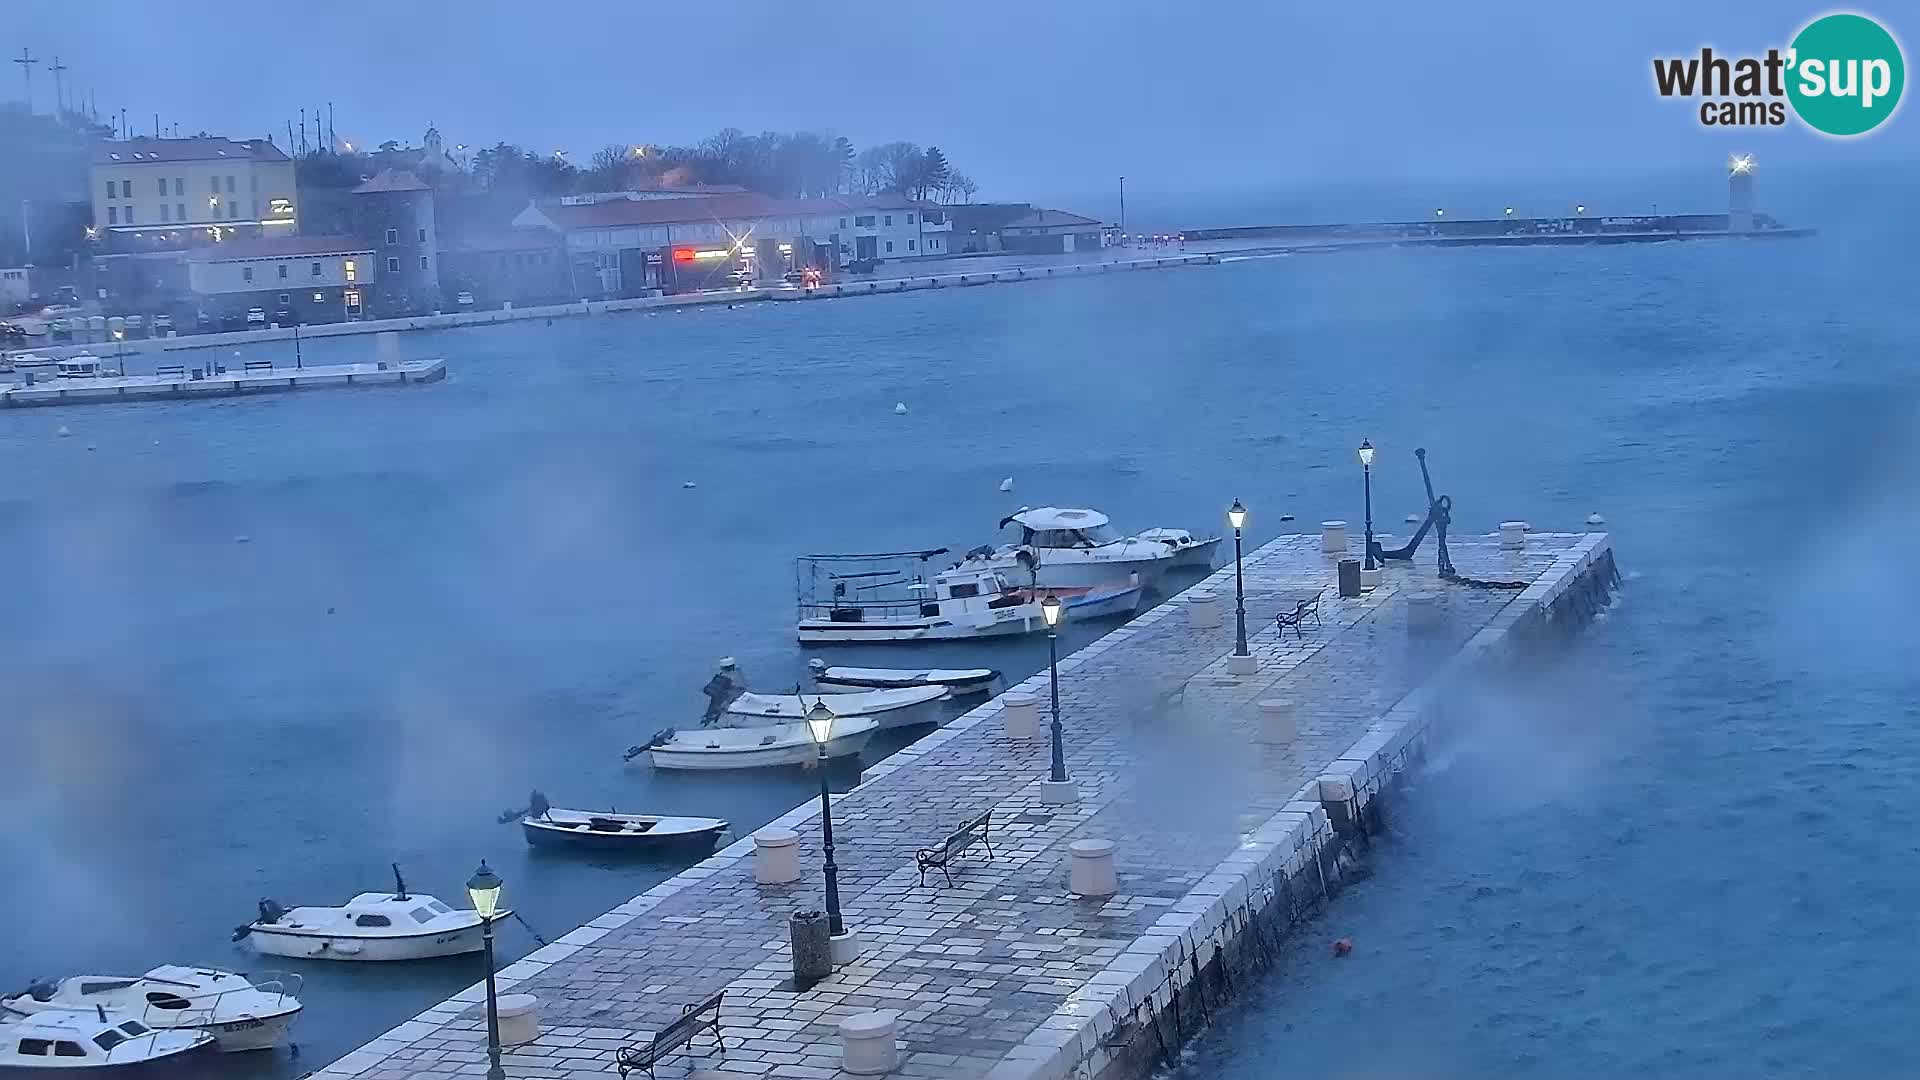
(317, 297)
(348, 267)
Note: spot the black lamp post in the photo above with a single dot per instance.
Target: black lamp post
(820, 728)
(484, 889)
(1237, 517)
(1366, 473)
(1051, 610)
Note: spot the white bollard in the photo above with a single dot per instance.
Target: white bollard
(1243, 665)
(1279, 721)
(519, 1019)
(1370, 579)
(776, 856)
(1513, 535)
(1203, 609)
(1333, 537)
(1424, 611)
(867, 1046)
(1090, 868)
(1021, 714)
(844, 948)
(1063, 793)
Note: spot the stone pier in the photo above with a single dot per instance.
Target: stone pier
(1225, 829)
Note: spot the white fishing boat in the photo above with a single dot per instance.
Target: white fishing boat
(1063, 547)
(960, 682)
(1190, 552)
(711, 748)
(241, 1012)
(370, 927)
(907, 706)
(97, 1042)
(845, 606)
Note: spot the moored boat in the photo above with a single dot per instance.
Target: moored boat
(370, 927)
(960, 682)
(1189, 551)
(637, 834)
(714, 748)
(68, 1042)
(241, 1012)
(904, 706)
(1068, 547)
(842, 602)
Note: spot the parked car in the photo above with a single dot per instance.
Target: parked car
(256, 317)
(464, 300)
(162, 323)
(204, 323)
(60, 330)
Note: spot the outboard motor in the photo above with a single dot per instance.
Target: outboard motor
(537, 804)
(817, 667)
(270, 910)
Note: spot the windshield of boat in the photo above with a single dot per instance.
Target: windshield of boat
(1070, 538)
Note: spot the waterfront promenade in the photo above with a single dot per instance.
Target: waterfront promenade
(1006, 973)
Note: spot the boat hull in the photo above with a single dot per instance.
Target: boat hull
(319, 945)
(823, 632)
(636, 844)
(1058, 574)
(244, 1034)
(910, 715)
(189, 1064)
(771, 757)
(1197, 556)
(830, 682)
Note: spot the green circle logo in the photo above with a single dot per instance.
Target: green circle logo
(1847, 74)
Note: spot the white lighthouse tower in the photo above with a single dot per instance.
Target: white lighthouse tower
(1740, 193)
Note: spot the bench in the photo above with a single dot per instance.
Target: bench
(1301, 612)
(257, 365)
(176, 370)
(955, 845)
(675, 1037)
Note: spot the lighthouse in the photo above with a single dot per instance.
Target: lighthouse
(1740, 193)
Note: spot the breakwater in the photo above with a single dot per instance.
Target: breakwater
(1229, 795)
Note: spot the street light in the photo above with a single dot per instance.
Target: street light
(820, 729)
(1051, 610)
(1580, 208)
(484, 889)
(1366, 472)
(1237, 517)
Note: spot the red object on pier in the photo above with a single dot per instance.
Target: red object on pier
(1343, 946)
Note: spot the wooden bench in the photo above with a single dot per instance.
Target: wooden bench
(1301, 612)
(955, 845)
(675, 1037)
(256, 365)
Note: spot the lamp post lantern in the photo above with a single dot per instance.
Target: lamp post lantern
(483, 888)
(1237, 517)
(1366, 474)
(1052, 610)
(820, 728)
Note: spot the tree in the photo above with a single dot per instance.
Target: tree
(842, 162)
(933, 173)
(959, 187)
(891, 167)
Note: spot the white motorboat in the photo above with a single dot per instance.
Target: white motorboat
(1189, 551)
(370, 927)
(957, 604)
(1069, 548)
(242, 1012)
(960, 682)
(751, 747)
(906, 706)
(94, 1041)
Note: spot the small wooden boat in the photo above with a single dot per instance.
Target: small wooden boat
(67, 1042)
(959, 682)
(371, 926)
(751, 747)
(639, 834)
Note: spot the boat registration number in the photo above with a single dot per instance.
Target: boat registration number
(242, 1025)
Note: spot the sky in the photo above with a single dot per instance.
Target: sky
(1054, 96)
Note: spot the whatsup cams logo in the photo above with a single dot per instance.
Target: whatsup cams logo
(1842, 76)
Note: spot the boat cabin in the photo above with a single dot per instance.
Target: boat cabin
(73, 1039)
(1053, 527)
(84, 366)
(375, 911)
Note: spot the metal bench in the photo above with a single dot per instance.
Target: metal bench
(257, 365)
(176, 370)
(955, 845)
(675, 1037)
(1301, 612)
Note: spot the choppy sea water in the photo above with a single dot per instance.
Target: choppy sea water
(1688, 847)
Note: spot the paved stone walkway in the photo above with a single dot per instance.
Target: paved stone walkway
(1162, 741)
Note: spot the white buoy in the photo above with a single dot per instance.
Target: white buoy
(1007, 484)
(1596, 519)
(899, 408)
(1411, 518)
(63, 433)
(687, 484)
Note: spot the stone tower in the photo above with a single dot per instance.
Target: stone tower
(393, 212)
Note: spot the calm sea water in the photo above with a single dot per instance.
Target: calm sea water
(1688, 847)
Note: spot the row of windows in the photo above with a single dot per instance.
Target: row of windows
(865, 221)
(393, 236)
(123, 215)
(124, 188)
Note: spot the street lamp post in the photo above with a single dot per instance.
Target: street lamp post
(1366, 474)
(1051, 610)
(820, 728)
(1237, 517)
(484, 889)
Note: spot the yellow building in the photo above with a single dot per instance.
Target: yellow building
(171, 186)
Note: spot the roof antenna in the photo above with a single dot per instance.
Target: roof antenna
(399, 884)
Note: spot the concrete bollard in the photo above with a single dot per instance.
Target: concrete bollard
(776, 856)
(1370, 579)
(1090, 868)
(1279, 721)
(1424, 613)
(1243, 665)
(844, 947)
(1333, 538)
(1513, 535)
(1203, 609)
(519, 1019)
(1020, 712)
(867, 1046)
